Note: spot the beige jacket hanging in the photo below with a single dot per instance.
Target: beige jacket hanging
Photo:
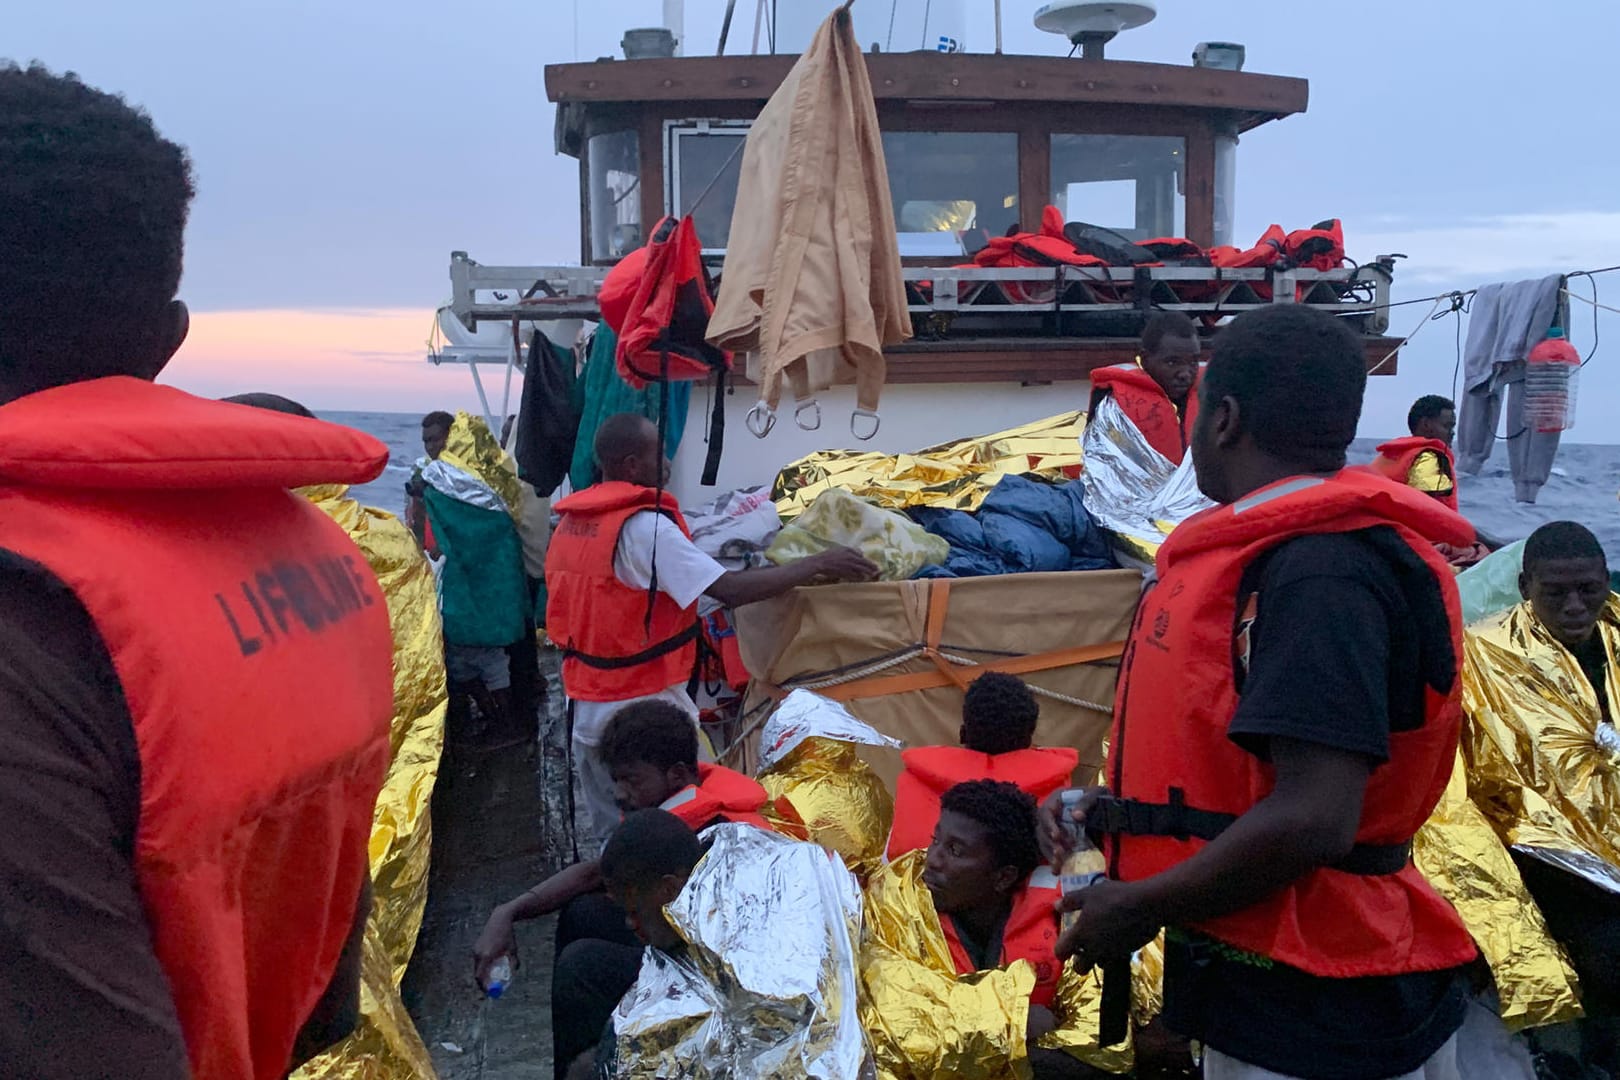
(813, 262)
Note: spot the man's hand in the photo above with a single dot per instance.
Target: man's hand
(1051, 832)
(496, 941)
(840, 564)
(1114, 922)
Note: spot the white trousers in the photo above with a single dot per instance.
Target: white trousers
(1482, 1049)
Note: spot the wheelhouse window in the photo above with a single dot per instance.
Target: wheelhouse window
(1133, 184)
(705, 164)
(952, 190)
(613, 180)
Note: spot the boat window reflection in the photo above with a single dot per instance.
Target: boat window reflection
(946, 183)
(1132, 184)
(614, 181)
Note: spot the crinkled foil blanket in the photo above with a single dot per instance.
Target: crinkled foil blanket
(925, 1020)
(766, 987)
(1132, 490)
(957, 475)
(386, 1045)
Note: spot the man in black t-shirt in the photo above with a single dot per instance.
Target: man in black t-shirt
(1294, 706)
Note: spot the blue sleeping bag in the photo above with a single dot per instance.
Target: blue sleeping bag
(1024, 526)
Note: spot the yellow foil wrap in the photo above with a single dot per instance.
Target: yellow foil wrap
(923, 1019)
(473, 448)
(1078, 1008)
(1462, 857)
(957, 474)
(1542, 764)
(842, 803)
(386, 1045)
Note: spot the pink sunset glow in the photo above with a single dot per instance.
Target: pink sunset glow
(346, 359)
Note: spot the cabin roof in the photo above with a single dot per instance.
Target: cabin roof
(962, 79)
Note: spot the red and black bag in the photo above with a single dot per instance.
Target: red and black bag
(658, 299)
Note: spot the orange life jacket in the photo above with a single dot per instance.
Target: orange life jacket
(1166, 428)
(1031, 934)
(658, 299)
(928, 772)
(253, 648)
(719, 793)
(1177, 779)
(611, 651)
(1396, 458)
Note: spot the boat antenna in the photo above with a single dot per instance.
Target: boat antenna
(725, 25)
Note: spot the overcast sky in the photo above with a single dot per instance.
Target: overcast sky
(343, 150)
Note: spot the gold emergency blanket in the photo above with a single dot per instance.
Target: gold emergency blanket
(956, 475)
(813, 259)
(807, 756)
(925, 1020)
(386, 1045)
(1542, 764)
(766, 988)
(473, 449)
(1132, 490)
(896, 545)
(1460, 854)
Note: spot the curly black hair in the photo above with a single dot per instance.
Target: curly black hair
(1008, 816)
(647, 845)
(655, 732)
(438, 419)
(998, 714)
(93, 202)
(1298, 375)
(1427, 407)
(1559, 540)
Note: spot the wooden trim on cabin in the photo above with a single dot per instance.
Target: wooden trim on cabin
(1038, 361)
(1199, 179)
(652, 173)
(953, 77)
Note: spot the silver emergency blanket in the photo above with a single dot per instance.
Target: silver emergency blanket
(1131, 489)
(767, 987)
(803, 715)
(462, 485)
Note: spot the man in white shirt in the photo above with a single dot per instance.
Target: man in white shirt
(624, 579)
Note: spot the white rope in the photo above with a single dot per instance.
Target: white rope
(961, 661)
(1081, 703)
(1426, 317)
(1588, 300)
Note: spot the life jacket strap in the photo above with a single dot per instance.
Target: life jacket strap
(650, 653)
(1133, 817)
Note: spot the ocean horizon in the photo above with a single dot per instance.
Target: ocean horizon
(1585, 484)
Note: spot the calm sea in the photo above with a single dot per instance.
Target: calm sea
(1584, 485)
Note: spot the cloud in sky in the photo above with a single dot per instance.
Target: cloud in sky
(367, 359)
(1496, 247)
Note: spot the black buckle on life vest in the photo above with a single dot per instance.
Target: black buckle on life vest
(1174, 818)
(652, 652)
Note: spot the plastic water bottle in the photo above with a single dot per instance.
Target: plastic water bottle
(500, 977)
(1550, 376)
(1084, 865)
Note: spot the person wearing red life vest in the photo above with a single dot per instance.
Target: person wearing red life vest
(195, 663)
(1286, 719)
(1158, 394)
(995, 901)
(1423, 461)
(650, 751)
(623, 580)
(999, 714)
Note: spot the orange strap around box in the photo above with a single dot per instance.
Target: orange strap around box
(960, 675)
